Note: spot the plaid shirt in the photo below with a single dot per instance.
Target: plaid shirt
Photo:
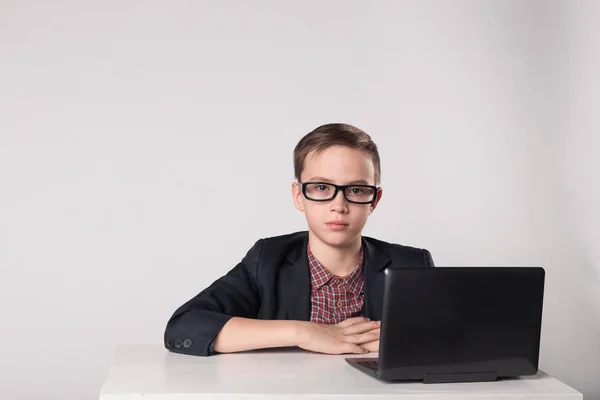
(334, 299)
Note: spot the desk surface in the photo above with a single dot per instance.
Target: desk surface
(146, 372)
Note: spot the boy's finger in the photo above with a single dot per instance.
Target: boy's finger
(361, 338)
(352, 321)
(371, 346)
(353, 349)
(361, 327)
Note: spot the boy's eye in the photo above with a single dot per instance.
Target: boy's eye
(356, 190)
(322, 188)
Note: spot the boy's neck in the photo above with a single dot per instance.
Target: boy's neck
(340, 261)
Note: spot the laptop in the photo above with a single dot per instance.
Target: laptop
(458, 324)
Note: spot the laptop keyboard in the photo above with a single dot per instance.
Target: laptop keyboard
(369, 364)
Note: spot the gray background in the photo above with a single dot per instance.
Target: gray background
(146, 145)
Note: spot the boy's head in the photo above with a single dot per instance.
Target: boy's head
(336, 154)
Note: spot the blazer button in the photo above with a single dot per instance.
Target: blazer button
(187, 343)
(178, 343)
(169, 343)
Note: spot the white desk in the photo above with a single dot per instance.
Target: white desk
(152, 372)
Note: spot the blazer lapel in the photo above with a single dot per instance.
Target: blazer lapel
(374, 263)
(295, 284)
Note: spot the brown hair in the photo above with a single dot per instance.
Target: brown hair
(331, 135)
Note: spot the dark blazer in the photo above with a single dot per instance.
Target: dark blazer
(273, 282)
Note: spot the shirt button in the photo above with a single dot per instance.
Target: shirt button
(339, 303)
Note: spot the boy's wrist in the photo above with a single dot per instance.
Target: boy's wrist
(297, 332)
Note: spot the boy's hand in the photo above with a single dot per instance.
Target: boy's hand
(348, 336)
(372, 347)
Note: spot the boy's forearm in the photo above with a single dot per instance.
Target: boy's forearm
(241, 334)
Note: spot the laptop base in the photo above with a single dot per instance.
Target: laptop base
(461, 377)
(366, 365)
(370, 366)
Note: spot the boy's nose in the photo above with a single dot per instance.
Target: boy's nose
(339, 203)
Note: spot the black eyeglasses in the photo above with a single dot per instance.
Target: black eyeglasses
(323, 191)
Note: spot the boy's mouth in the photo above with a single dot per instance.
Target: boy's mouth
(337, 225)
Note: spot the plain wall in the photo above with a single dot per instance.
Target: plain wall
(145, 147)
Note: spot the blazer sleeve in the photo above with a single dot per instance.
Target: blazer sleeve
(194, 326)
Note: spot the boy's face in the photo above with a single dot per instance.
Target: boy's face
(336, 222)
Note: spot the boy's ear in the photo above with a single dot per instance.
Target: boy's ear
(297, 196)
(376, 202)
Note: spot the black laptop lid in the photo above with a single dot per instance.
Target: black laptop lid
(461, 320)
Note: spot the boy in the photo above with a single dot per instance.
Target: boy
(320, 290)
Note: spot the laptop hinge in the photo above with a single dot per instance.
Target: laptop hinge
(461, 377)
